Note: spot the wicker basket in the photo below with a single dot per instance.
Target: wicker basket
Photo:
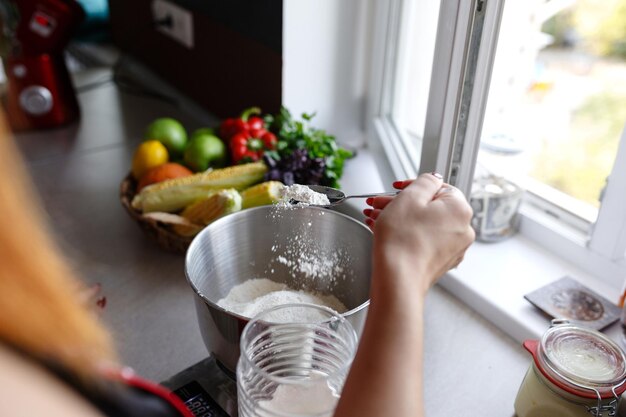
(154, 229)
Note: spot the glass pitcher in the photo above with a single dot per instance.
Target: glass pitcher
(294, 361)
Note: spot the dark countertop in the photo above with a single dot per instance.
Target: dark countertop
(77, 171)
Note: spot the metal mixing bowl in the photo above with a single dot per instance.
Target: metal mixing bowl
(251, 243)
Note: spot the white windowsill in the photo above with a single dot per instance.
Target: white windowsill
(493, 277)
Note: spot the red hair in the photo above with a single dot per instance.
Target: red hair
(41, 313)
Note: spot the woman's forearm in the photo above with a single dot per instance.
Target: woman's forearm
(419, 235)
(386, 375)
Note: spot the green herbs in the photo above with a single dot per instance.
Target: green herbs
(296, 136)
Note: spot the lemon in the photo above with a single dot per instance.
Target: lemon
(149, 154)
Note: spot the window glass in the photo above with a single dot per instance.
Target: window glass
(557, 101)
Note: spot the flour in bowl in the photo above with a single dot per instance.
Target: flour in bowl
(253, 296)
(303, 196)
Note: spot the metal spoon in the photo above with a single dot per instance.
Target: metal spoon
(336, 196)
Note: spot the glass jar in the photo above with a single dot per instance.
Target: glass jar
(294, 361)
(576, 372)
(495, 202)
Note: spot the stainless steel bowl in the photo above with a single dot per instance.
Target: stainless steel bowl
(249, 245)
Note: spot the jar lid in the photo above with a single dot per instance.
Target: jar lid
(581, 361)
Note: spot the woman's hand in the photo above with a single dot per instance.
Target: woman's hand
(424, 230)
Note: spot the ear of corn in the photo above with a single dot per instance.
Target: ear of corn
(172, 195)
(206, 211)
(263, 194)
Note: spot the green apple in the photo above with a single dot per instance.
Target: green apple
(205, 150)
(169, 132)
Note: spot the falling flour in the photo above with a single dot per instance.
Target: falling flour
(307, 255)
(259, 294)
(312, 262)
(303, 196)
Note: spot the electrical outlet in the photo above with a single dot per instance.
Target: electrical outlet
(173, 21)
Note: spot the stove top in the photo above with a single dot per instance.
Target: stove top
(206, 388)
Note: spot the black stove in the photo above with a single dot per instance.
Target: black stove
(206, 388)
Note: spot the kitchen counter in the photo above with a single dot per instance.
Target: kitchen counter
(471, 368)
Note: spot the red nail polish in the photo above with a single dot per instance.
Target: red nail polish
(369, 201)
(368, 212)
(397, 183)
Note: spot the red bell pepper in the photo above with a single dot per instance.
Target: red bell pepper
(247, 137)
(249, 147)
(244, 123)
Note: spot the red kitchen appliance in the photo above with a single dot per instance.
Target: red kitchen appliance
(39, 91)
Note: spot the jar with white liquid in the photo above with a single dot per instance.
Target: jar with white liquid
(576, 372)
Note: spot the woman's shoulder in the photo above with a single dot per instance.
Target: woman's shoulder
(28, 389)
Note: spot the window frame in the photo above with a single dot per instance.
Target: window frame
(465, 46)
(598, 248)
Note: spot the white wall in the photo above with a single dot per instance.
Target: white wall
(325, 63)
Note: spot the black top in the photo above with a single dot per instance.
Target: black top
(126, 396)
(120, 393)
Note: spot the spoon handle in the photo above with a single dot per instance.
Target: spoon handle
(373, 195)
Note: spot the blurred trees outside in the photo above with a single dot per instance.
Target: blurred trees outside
(578, 160)
(598, 25)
